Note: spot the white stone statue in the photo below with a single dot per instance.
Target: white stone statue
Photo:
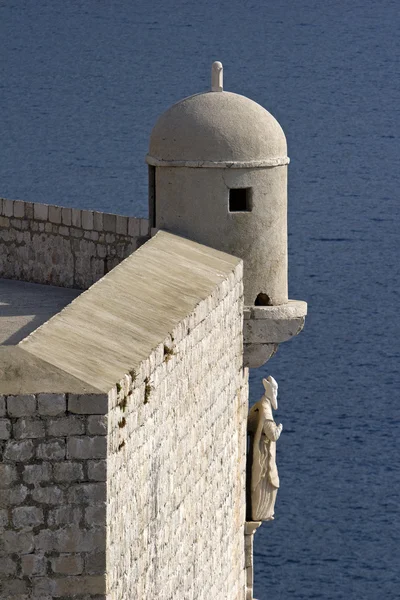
(264, 432)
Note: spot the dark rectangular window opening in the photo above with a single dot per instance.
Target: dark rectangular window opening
(240, 200)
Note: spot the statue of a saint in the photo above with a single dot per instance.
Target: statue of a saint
(262, 471)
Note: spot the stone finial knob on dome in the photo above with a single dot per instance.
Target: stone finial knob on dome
(217, 77)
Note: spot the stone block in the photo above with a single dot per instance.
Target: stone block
(65, 515)
(68, 471)
(144, 227)
(29, 210)
(13, 495)
(66, 426)
(101, 251)
(19, 451)
(19, 209)
(98, 221)
(121, 225)
(16, 223)
(55, 214)
(2, 406)
(95, 563)
(51, 450)
(97, 424)
(26, 428)
(97, 470)
(76, 217)
(67, 564)
(33, 564)
(87, 249)
(87, 493)
(5, 429)
(27, 516)
(52, 405)
(8, 567)
(96, 515)
(8, 475)
(87, 219)
(21, 406)
(14, 589)
(73, 539)
(95, 404)
(109, 222)
(8, 209)
(37, 473)
(45, 540)
(87, 447)
(110, 239)
(70, 586)
(63, 230)
(40, 212)
(134, 227)
(51, 494)
(20, 542)
(66, 216)
(76, 233)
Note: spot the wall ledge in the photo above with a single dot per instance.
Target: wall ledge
(265, 327)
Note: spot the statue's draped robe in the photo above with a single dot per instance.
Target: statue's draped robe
(264, 473)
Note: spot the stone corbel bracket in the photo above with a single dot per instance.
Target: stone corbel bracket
(265, 327)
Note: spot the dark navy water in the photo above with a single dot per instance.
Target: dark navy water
(81, 86)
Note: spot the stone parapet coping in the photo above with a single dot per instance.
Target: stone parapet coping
(24, 373)
(89, 220)
(166, 286)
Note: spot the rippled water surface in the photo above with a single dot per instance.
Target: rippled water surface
(80, 88)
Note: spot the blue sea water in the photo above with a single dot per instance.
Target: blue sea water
(82, 83)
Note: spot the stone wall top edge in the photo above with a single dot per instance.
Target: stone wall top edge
(213, 272)
(81, 218)
(23, 373)
(188, 324)
(164, 351)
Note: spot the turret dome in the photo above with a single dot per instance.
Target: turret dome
(217, 129)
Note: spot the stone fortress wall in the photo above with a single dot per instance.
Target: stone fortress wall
(52, 496)
(61, 246)
(177, 446)
(134, 485)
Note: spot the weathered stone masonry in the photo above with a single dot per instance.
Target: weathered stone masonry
(52, 495)
(136, 491)
(177, 462)
(63, 246)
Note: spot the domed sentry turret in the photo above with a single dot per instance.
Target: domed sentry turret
(218, 175)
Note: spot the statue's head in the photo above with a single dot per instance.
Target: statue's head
(271, 391)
